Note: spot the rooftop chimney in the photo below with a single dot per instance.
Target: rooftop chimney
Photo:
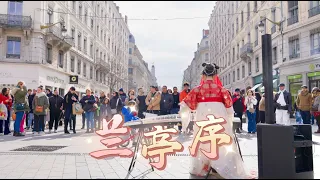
(126, 19)
(118, 8)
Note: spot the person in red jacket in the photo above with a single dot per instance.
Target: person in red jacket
(238, 105)
(6, 99)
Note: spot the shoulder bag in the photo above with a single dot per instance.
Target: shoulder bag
(38, 109)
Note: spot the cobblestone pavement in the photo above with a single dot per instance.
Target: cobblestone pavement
(73, 160)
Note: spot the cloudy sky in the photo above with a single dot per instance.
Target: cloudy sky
(169, 44)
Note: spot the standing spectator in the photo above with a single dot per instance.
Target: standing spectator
(40, 104)
(96, 116)
(116, 104)
(184, 92)
(56, 106)
(283, 104)
(6, 99)
(122, 95)
(304, 104)
(316, 107)
(83, 115)
(48, 92)
(20, 106)
(250, 102)
(153, 101)
(30, 114)
(27, 113)
(176, 101)
(101, 102)
(89, 101)
(105, 110)
(166, 101)
(238, 105)
(314, 95)
(142, 107)
(175, 106)
(262, 110)
(258, 97)
(131, 97)
(70, 98)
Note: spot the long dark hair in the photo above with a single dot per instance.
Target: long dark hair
(117, 94)
(210, 69)
(4, 91)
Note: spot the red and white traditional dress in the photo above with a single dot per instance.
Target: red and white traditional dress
(211, 98)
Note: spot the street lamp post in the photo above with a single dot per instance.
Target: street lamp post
(267, 70)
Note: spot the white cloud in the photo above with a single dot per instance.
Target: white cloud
(169, 44)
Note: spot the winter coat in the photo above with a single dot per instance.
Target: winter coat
(316, 104)
(30, 99)
(287, 99)
(20, 97)
(3, 98)
(114, 105)
(67, 104)
(40, 99)
(55, 102)
(176, 100)
(153, 100)
(304, 101)
(123, 97)
(105, 111)
(166, 102)
(183, 94)
(88, 106)
(142, 103)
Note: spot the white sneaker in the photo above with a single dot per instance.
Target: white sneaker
(50, 131)
(42, 133)
(55, 131)
(1, 134)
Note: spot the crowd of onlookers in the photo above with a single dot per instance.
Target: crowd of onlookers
(40, 109)
(306, 108)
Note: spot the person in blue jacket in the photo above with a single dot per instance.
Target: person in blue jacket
(89, 110)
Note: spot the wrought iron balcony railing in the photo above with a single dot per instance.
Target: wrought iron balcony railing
(293, 20)
(294, 56)
(314, 11)
(56, 31)
(245, 50)
(15, 21)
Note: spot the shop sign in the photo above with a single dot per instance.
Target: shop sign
(314, 67)
(5, 74)
(74, 80)
(55, 79)
(313, 74)
(80, 86)
(297, 76)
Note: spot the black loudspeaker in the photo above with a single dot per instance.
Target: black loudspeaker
(285, 152)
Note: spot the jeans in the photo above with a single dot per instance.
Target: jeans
(38, 123)
(90, 121)
(312, 119)
(30, 119)
(306, 117)
(19, 116)
(83, 119)
(174, 111)
(251, 122)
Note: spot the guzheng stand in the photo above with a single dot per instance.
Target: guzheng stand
(142, 126)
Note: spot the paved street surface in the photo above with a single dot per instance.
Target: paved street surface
(73, 161)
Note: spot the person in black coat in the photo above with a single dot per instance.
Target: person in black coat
(30, 114)
(258, 97)
(55, 106)
(142, 107)
(70, 98)
(88, 107)
(116, 104)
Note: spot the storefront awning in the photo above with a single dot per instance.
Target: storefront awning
(273, 82)
(256, 86)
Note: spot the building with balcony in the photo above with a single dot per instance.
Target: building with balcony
(192, 74)
(94, 46)
(139, 74)
(295, 51)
